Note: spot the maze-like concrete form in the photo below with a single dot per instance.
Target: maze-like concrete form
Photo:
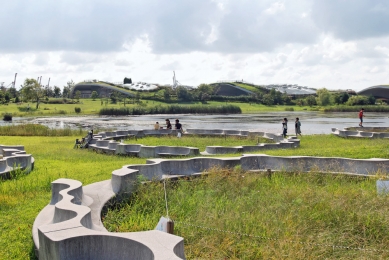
(242, 133)
(70, 226)
(14, 157)
(319, 164)
(291, 142)
(102, 143)
(362, 132)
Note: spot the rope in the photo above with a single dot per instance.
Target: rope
(164, 188)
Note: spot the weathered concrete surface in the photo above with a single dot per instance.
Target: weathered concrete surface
(362, 132)
(113, 147)
(242, 133)
(70, 227)
(291, 142)
(14, 157)
(319, 164)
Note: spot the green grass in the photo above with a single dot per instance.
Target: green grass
(21, 199)
(281, 217)
(92, 107)
(38, 130)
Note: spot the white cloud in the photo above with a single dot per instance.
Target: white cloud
(314, 43)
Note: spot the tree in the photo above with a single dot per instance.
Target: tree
(94, 95)
(371, 99)
(268, 99)
(310, 100)
(31, 90)
(57, 91)
(78, 95)
(323, 97)
(183, 94)
(166, 94)
(358, 100)
(66, 92)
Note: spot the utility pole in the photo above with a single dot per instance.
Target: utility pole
(48, 84)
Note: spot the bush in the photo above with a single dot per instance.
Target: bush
(7, 117)
(77, 110)
(172, 109)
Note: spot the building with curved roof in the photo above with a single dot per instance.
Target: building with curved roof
(104, 89)
(379, 92)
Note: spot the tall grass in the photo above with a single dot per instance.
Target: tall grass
(172, 109)
(356, 108)
(238, 215)
(37, 130)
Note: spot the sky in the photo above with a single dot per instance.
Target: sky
(336, 44)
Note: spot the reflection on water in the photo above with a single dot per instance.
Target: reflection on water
(311, 122)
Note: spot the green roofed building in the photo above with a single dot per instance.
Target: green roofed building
(379, 92)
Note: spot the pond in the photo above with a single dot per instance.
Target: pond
(311, 122)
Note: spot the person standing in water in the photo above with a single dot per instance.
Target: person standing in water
(297, 126)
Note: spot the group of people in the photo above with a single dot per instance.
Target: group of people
(297, 127)
(84, 142)
(177, 126)
(297, 124)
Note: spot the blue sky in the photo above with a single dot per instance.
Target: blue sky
(316, 43)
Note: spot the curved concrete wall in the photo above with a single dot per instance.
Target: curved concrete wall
(14, 157)
(70, 226)
(365, 132)
(291, 142)
(319, 164)
(101, 142)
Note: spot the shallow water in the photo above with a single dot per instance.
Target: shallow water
(311, 122)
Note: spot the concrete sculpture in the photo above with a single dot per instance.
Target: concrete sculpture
(102, 142)
(365, 132)
(14, 157)
(70, 226)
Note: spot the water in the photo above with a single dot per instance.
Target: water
(311, 122)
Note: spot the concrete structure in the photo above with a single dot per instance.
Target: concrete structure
(14, 157)
(362, 132)
(241, 133)
(103, 89)
(379, 92)
(102, 142)
(318, 164)
(70, 226)
(291, 142)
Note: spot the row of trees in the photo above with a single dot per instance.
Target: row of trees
(327, 98)
(31, 90)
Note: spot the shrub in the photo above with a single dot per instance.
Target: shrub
(77, 110)
(172, 109)
(7, 117)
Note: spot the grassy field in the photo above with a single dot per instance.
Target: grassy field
(22, 198)
(236, 215)
(90, 107)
